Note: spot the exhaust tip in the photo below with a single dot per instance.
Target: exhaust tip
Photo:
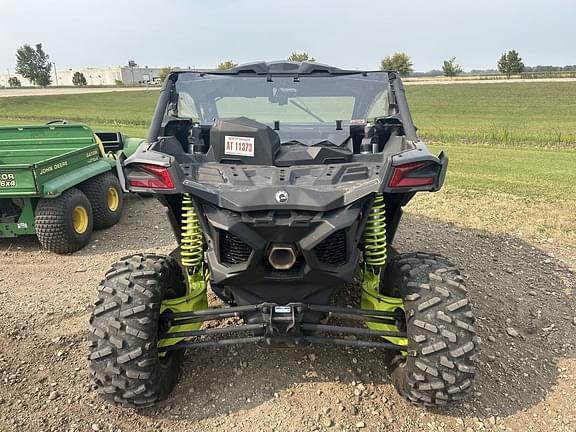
(282, 257)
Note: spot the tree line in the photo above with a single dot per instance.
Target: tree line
(510, 63)
(33, 63)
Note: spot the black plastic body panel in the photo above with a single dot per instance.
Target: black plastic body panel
(258, 139)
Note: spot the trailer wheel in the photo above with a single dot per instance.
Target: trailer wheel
(64, 224)
(125, 366)
(105, 195)
(439, 368)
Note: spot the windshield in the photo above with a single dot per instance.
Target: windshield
(305, 102)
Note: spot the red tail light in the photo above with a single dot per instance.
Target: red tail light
(412, 175)
(150, 177)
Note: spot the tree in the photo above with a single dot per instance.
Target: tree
(164, 72)
(510, 63)
(33, 64)
(228, 64)
(399, 61)
(451, 68)
(301, 57)
(79, 79)
(14, 82)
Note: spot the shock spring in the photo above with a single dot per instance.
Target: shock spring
(375, 234)
(192, 243)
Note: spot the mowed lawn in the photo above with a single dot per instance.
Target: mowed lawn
(542, 113)
(127, 111)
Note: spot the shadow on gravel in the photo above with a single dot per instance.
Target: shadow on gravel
(143, 225)
(524, 305)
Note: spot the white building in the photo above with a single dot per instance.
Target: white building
(121, 75)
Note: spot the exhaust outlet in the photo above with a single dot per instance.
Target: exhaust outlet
(282, 257)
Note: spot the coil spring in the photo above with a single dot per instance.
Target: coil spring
(192, 243)
(375, 234)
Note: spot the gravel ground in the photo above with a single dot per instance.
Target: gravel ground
(526, 318)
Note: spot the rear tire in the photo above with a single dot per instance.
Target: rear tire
(105, 195)
(439, 322)
(124, 362)
(64, 224)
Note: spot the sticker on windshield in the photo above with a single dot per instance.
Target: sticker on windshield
(239, 146)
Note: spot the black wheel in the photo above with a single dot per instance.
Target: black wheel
(439, 322)
(64, 224)
(125, 366)
(105, 195)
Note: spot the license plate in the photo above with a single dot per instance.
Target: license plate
(238, 146)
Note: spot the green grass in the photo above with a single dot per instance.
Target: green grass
(128, 111)
(534, 174)
(542, 114)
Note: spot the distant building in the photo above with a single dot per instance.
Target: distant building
(123, 75)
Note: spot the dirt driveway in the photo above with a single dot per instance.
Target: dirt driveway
(526, 378)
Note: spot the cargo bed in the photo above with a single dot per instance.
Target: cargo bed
(33, 157)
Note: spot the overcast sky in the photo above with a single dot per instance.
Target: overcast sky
(351, 33)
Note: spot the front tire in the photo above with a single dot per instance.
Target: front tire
(124, 362)
(439, 368)
(64, 224)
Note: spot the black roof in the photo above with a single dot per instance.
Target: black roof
(282, 67)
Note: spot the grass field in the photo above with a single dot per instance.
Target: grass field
(511, 148)
(528, 192)
(129, 112)
(536, 114)
(542, 114)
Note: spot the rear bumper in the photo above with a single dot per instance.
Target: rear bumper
(326, 246)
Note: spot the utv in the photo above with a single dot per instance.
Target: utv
(59, 182)
(283, 183)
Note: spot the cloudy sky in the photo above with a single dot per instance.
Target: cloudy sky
(357, 34)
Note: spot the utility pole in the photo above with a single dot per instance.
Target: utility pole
(55, 73)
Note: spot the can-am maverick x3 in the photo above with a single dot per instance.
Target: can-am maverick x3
(283, 182)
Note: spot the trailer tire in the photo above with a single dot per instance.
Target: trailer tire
(124, 362)
(105, 195)
(439, 368)
(64, 224)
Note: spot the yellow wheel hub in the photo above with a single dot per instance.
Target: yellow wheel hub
(80, 219)
(112, 199)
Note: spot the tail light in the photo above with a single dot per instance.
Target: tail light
(413, 174)
(149, 177)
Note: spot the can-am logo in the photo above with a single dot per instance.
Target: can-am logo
(281, 196)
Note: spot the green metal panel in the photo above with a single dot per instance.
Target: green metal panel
(70, 179)
(28, 145)
(17, 180)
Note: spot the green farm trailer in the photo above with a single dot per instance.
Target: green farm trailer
(59, 182)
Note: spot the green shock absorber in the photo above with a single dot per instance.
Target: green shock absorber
(375, 255)
(192, 243)
(375, 234)
(192, 256)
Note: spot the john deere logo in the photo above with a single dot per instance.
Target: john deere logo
(281, 196)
